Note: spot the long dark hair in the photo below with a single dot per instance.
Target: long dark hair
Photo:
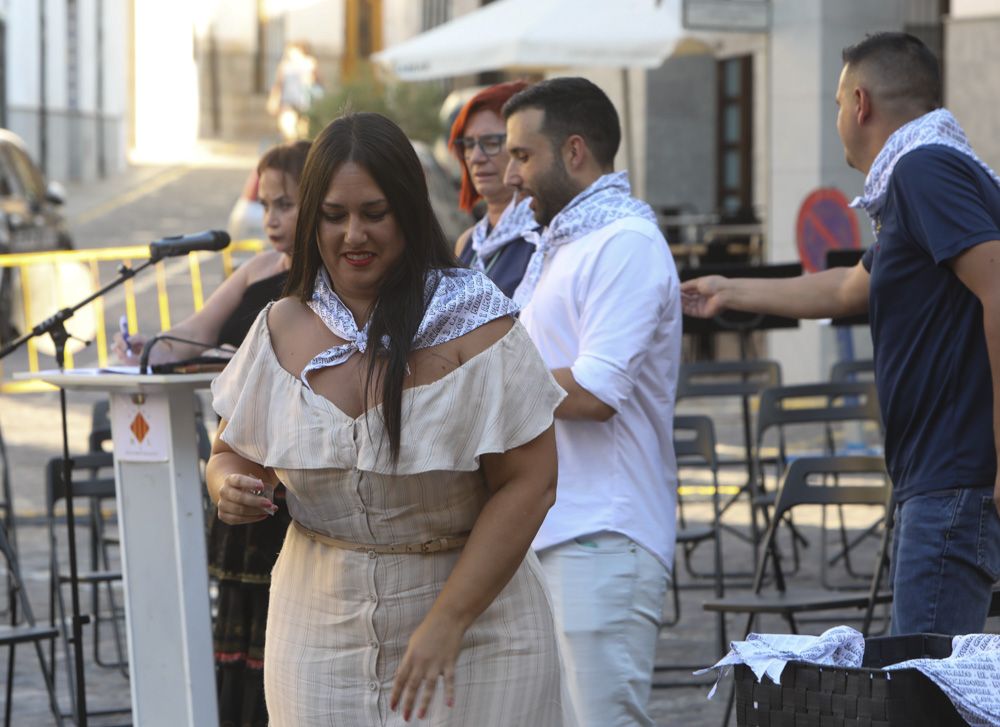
(379, 146)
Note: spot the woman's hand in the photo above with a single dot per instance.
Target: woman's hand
(244, 499)
(431, 653)
(128, 353)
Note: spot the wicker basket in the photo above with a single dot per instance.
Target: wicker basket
(823, 696)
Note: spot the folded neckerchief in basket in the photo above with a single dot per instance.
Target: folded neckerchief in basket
(768, 653)
(970, 677)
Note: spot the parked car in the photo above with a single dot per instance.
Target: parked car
(30, 216)
(246, 219)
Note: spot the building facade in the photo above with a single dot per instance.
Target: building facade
(63, 90)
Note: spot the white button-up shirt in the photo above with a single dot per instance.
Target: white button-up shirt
(607, 306)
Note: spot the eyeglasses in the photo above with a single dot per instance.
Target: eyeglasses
(491, 144)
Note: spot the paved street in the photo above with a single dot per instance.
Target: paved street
(152, 202)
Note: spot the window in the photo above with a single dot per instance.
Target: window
(734, 170)
(435, 13)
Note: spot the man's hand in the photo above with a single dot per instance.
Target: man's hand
(702, 297)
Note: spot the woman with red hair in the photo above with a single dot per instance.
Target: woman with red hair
(495, 245)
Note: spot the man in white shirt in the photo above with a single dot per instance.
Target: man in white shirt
(601, 301)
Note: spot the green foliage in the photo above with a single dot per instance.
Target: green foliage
(414, 106)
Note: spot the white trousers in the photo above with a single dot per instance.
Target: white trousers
(608, 595)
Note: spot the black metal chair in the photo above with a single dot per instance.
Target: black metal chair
(807, 481)
(694, 446)
(93, 481)
(7, 512)
(23, 628)
(787, 406)
(743, 381)
(800, 487)
(854, 370)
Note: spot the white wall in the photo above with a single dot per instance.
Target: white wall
(233, 23)
(75, 136)
(166, 88)
(321, 24)
(972, 81)
(805, 44)
(974, 8)
(401, 20)
(22, 54)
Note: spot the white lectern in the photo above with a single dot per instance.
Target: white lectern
(162, 528)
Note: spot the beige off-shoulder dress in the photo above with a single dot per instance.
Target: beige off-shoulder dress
(340, 620)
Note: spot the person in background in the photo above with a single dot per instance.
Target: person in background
(601, 301)
(296, 86)
(231, 309)
(497, 244)
(241, 558)
(410, 417)
(931, 287)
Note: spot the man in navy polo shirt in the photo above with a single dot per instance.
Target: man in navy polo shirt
(931, 285)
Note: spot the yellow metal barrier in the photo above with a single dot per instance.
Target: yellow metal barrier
(91, 259)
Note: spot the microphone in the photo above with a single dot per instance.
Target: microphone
(147, 348)
(183, 244)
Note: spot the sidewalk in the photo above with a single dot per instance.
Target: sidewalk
(151, 199)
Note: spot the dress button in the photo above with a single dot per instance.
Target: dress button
(372, 686)
(359, 510)
(373, 644)
(372, 598)
(371, 554)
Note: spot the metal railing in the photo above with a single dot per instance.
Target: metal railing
(91, 259)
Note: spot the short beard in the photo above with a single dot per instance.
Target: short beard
(553, 192)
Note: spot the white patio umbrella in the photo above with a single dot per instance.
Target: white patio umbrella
(543, 34)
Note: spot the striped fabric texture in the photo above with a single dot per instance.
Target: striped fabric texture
(339, 621)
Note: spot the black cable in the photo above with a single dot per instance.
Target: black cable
(148, 347)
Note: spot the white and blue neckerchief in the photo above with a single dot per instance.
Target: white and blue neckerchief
(936, 127)
(460, 301)
(516, 221)
(605, 201)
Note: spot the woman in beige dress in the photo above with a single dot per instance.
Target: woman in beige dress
(410, 418)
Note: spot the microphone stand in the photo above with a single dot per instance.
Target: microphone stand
(55, 327)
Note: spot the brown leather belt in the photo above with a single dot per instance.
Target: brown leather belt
(437, 545)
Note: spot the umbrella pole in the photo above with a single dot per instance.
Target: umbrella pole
(627, 113)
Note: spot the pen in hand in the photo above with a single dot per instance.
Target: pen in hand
(123, 327)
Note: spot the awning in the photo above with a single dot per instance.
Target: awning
(540, 34)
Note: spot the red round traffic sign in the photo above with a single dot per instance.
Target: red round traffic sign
(825, 223)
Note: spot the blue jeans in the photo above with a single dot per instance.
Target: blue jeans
(945, 560)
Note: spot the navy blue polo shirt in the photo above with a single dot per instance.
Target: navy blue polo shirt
(931, 365)
(506, 267)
